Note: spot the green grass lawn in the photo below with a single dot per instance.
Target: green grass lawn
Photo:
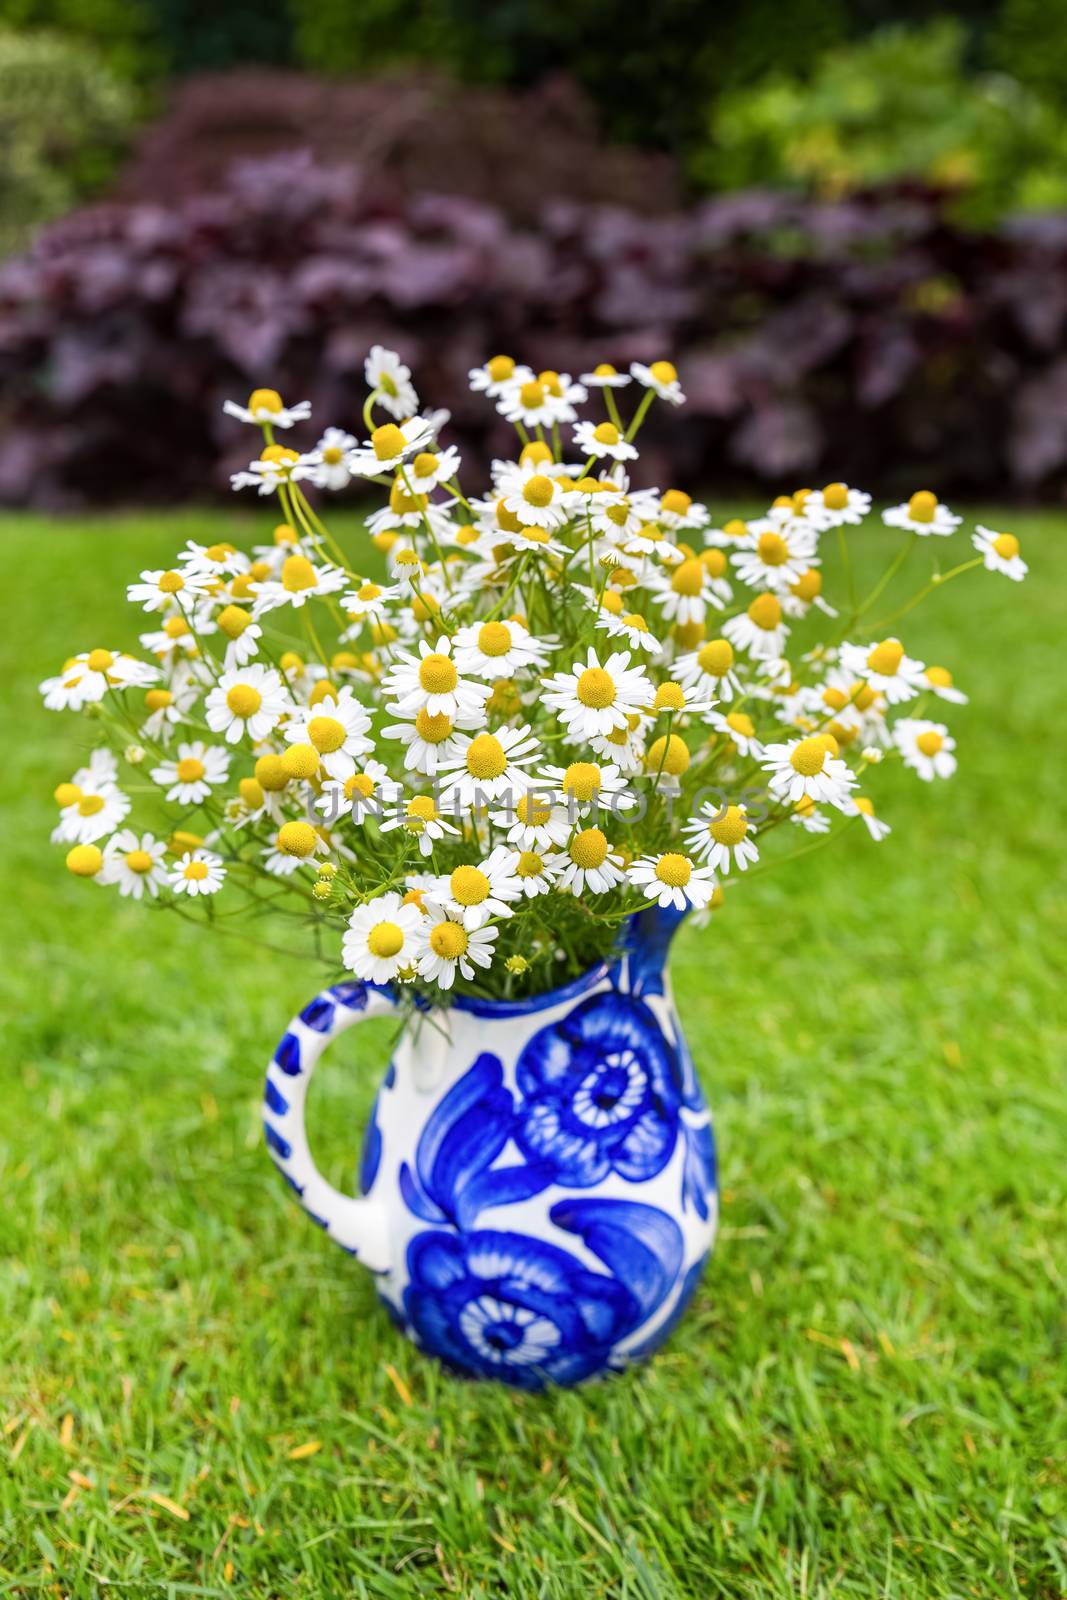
(866, 1398)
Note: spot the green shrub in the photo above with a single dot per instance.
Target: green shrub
(899, 105)
(64, 118)
(121, 33)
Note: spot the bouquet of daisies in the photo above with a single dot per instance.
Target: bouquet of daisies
(462, 748)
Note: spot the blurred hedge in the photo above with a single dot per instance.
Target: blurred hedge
(872, 338)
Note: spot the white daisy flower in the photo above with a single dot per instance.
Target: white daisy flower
(535, 822)
(497, 375)
(1000, 553)
(805, 593)
(544, 401)
(432, 469)
(588, 864)
(923, 514)
(195, 771)
(336, 728)
(329, 460)
(596, 698)
(493, 650)
(371, 601)
(168, 708)
(173, 642)
(806, 815)
(366, 793)
(445, 945)
(624, 747)
(166, 589)
(685, 593)
(631, 626)
(242, 636)
(660, 377)
(135, 863)
(91, 805)
(381, 938)
(859, 806)
(672, 880)
(389, 447)
(430, 682)
(542, 502)
(587, 785)
(709, 670)
(197, 872)
(490, 765)
(535, 873)
(265, 408)
(739, 729)
(759, 631)
(886, 668)
(386, 373)
(274, 467)
(671, 698)
(221, 561)
(776, 558)
(837, 505)
(279, 863)
(926, 747)
(605, 376)
(430, 742)
(420, 817)
(298, 582)
(475, 894)
(719, 835)
(939, 679)
(806, 767)
(87, 677)
(600, 439)
(249, 700)
(679, 510)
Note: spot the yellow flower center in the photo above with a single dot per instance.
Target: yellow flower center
(500, 368)
(535, 454)
(300, 761)
(835, 496)
(100, 660)
(730, 828)
(529, 865)
(808, 585)
(424, 464)
(663, 372)
(929, 742)
(139, 861)
(278, 456)
(190, 769)
(175, 627)
(940, 677)
(864, 805)
(532, 395)
(270, 773)
(674, 869)
(297, 574)
(333, 455)
(326, 734)
(435, 730)
(809, 757)
(233, 621)
(251, 793)
(506, 520)
(284, 533)
(85, 860)
(65, 794)
(669, 697)
(604, 369)
(716, 657)
(550, 380)
(714, 561)
(922, 507)
(589, 848)
(582, 780)
(735, 528)
(264, 400)
(195, 871)
(243, 700)
(886, 657)
(486, 757)
(538, 490)
(532, 813)
(469, 886)
(740, 722)
(420, 811)
(158, 699)
(90, 804)
(385, 939)
(297, 838)
(494, 639)
(677, 502)
(404, 505)
(1006, 545)
(606, 433)
(766, 612)
(669, 755)
(772, 549)
(596, 688)
(437, 674)
(387, 442)
(448, 940)
(632, 620)
(688, 577)
(170, 583)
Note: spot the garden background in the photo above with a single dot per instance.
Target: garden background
(847, 224)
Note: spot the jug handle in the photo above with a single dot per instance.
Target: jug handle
(359, 1225)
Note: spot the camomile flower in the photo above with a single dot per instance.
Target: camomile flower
(420, 817)
(806, 767)
(489, 766)
(195, 771)
(806, 814)
(475, 894)
(381, 938)
(886, 668)
(650, 540)
(596, 698)
(776, 558)
(431, 469)
(542, 502)
(544, 401)
(197, 872)
(336, 729)
(587, 784)
(391, 379)
(168, 707)
(329, 460)
(661, 378)
(279, 863)
(588, 865)
(631, 626)
(265, 409)
(720, 836)
(175, 641)
(365, 793)
(275, 466)
(671, 699)
(371, 601)
(859, 806)
(1000, 553)
(709, 670)
(495, 650)
(87, 677)
(685, 593)
(739, 729)
(837, 505)
(445, 945)
(806, 592)
(534, 822)
(167, 589)
(939, 679)
(605, 376)
(298, 582)
(249, 700)
(624, 747)
(535, 873)
(600, 439)
(389, 447)
(429, 742)
(221, 561)
(134, 863)
(430, 682)
(497, 375)
(926, 747)
(672, 880)
(923, 514)
(678, 510)
(242, 635)
(759, 630)
(91, 806)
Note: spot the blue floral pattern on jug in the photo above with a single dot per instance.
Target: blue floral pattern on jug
(538, 1181)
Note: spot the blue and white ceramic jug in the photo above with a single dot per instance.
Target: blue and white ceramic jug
(538, 1177)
